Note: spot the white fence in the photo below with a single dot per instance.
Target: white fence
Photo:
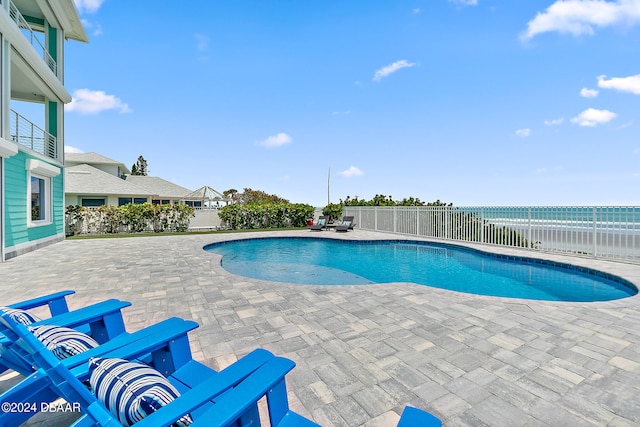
(205, 219)
(598, 232)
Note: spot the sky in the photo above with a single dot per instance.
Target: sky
(472, 102)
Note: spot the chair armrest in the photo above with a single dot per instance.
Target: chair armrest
(417, 417)
(268, 380)
(134, 345)
(208, 390)
(57, 302)
(104, 319)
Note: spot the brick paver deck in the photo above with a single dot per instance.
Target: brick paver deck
(364, 352)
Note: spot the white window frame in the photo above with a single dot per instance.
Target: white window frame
(44, 171)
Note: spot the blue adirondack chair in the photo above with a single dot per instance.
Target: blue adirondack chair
(56, 302)
(102, 321)
(153, 342)
(212, 398)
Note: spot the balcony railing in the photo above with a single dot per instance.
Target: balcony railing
(32, 36)
(31, 136)
(603, 232)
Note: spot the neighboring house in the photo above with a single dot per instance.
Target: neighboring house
(95, 180)
(86, 185)
(164, 192)
(98, 161)
(32, 98)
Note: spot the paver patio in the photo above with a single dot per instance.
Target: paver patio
(364, 352)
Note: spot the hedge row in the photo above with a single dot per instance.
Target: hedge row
(130, 218)
(268, 215)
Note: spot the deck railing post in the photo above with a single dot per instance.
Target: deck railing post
(395, 219)
(375, 218)
(595, 233)
(529, 228)
(481, 225)
(446, 222)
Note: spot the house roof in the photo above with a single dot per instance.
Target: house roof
(71, 159)
(87, 180)
(205, 193)
(159, 186)
(61, 13)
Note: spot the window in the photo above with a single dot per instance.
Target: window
(92, 203)
(193, 204)
(40, 196)
(135, 201)
(161, 202)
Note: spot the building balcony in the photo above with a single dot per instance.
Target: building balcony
(33, 37)
(29, 135)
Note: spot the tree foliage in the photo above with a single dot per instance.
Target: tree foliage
(249, 196)
(383, 200)
(140, 167)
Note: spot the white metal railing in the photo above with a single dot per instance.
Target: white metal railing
(605, 232)
(29, 135)
(22, 23)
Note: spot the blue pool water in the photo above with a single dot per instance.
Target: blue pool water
(337, 262)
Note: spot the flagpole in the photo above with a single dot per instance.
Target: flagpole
(329, 187)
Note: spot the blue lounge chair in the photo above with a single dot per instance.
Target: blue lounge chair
(211, 398)
(321, 224)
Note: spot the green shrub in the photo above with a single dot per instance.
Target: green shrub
(265, 215)
(129, 218)
(333, 210)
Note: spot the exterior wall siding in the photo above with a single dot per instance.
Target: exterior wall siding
(17, 232)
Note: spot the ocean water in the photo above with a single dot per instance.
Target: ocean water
(603, 217)
(334, 262)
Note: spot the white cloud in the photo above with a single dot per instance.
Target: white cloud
(591, 117)
(94, 29)
(341, 113)
(390, 69)
(88, 6)
(579, 17)
(622, 84)
(86, 101)
(352, 171)
(523, 132)
(202, 42)
(588, 93)
(71, 149)
(416, 11)
(554, 122)
(465, 2)
(276, 140)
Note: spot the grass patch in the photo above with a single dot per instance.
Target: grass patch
(186, 233)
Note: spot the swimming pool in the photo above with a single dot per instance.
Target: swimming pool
(322, 261)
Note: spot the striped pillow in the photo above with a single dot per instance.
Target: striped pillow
(131, 390)
(63, 342)
(20, 316)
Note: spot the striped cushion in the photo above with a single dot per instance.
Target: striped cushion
(63, 342)
(20, 316)
(130, 390)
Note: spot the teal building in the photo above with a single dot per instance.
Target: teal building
(32, 98)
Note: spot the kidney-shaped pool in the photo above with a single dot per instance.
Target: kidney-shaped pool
(322, 261)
